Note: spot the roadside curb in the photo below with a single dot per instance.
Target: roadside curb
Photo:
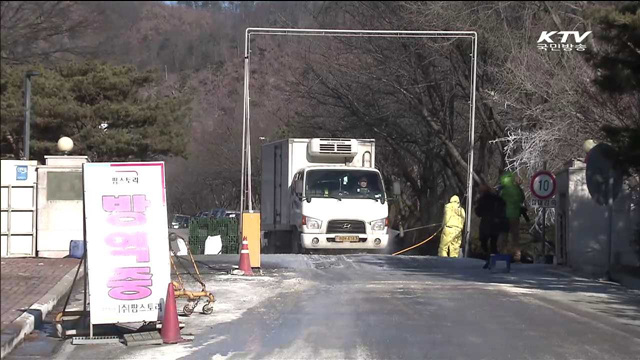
(15, 332)
(570, 273)
(617, 278)
(625, 280)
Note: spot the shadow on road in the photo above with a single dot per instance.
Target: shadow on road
(605, 297)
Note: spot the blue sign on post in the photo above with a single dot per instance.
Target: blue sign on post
(22, 172)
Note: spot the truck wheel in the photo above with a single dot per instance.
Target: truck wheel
(270, 247)
(296, 248)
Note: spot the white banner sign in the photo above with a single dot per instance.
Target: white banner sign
(127, 241)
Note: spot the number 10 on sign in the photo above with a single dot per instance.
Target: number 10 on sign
(543, 185)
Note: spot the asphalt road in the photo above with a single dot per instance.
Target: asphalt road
(384, 307)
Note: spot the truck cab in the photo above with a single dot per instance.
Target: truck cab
(320, 194)
(340, 208)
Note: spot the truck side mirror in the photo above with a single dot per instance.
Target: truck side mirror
(298, 187)
(397, 190)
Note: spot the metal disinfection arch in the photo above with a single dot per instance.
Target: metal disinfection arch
(246, 128)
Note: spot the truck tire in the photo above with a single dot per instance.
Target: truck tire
(279, 242)
(296, 247)
(270, 246)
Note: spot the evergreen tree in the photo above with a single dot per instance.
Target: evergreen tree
(618, 65)
(101, 107)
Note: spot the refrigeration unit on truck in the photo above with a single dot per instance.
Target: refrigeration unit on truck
(322, 194)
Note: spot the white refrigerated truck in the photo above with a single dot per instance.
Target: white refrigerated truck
(322, 194)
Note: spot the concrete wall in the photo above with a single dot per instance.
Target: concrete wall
(60, 205)
(586, 225)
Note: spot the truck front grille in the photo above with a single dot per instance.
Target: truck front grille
(346, 227)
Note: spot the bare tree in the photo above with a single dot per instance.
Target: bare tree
(532, 106)
(35, 31)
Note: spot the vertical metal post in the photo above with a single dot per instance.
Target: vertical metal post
(244, 127)
(86, 268)
(556, 251)
(249, 195)
(86, 289)
(34, 217)
(9, 207)
(544, 224)
(27, 114)
(85, 256)
(544, 229)
(474, 54)
(610, 235)
(248, 100)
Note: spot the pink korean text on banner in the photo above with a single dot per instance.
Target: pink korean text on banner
(127, 241)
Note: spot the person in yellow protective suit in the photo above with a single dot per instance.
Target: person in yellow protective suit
(452, 224)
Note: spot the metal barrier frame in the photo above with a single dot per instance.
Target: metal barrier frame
(246, 129)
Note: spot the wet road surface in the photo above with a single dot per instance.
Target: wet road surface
(383, 307)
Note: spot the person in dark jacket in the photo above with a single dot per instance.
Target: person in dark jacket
(491, 209)
(523, 208)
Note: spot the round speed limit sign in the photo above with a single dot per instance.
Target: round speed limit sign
(543, 185)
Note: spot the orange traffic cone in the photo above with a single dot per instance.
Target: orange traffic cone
(170, 328)
(245, 262)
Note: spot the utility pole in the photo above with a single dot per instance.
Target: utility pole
(27, 110)
(610, 199)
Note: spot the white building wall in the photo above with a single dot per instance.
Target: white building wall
(586, 227)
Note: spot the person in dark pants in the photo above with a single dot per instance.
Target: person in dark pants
(523, 213)
(491, 210)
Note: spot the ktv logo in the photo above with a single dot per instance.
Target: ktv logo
(548, 40)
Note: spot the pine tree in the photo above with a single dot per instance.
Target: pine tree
(618, 66)
(101, 107)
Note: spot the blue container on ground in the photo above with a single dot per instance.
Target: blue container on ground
(76, 249)
(500, 257)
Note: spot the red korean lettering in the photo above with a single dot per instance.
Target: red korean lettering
(116, 203)
(130, 283)
(127, 219)
(140, 203)
(135, 244)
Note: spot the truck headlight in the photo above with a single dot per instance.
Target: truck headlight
(311, 223)
(379, 225)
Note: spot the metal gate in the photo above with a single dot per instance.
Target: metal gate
(18, 230)
(200, 229)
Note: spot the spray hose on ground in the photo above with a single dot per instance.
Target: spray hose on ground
(416, 245)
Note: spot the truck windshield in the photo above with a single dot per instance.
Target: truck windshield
(347, 183)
